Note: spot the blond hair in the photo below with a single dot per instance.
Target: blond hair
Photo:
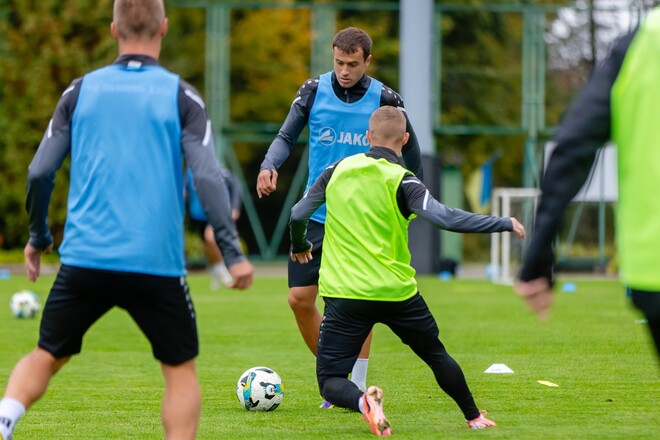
(138, 18)
(387, 125)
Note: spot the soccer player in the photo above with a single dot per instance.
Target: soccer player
(619, 102)
(336, 106)
(127, 127)
(365, 275)
(200, 223)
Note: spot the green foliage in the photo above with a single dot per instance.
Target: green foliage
(270, 56)
(593, 348)
(183, 47)
(47, 44)
(481, 84)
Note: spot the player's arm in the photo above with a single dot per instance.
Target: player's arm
(282, 145)
(197, 143)
(53, 149)
(414, 198)
(584, 129)
(411, 153)
(301, 248)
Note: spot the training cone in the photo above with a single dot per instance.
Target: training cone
(498, 369)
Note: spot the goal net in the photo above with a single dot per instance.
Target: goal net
(506, 249)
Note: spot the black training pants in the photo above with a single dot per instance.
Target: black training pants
(649, 304)
(346, 324)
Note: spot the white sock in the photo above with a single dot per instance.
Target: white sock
(10, 411)
(359, 373)
(361, 405)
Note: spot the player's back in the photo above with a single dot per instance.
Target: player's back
(125, 205)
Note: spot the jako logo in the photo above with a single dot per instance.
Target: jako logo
(328, 136)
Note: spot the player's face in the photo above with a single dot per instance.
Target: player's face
(350, 67)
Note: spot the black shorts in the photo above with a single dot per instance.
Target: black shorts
(160, 306)
(308, 274)
(347, 322)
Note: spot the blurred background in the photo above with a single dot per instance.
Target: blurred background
(503, 72)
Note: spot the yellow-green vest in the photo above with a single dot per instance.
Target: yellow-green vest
(365, 250)
(635, 108)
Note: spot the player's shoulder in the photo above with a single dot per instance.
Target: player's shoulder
(73, 88)
(190, 94)
(306, 92)
(389, 96)
(309, 86)
(411, 184)
(70, 95)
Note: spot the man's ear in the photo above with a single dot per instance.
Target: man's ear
(163, 28)
(405, 138)
(113, 31)
(369, 137)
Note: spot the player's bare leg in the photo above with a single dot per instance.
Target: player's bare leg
(219, 272)
(366, 347)
(213, 254)
(31, 375)
(302, 301)
(181, 401)
(27, 383)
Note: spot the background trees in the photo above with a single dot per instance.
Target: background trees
(45, 44)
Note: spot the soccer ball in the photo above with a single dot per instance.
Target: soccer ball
(260, 389)
(24, 304)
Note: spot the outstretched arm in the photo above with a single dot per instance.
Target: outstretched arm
(415, 198)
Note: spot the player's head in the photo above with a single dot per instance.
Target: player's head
(387, 128)
(351, 49)
(141, 20)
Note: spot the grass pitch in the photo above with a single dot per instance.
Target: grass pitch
(595, 348)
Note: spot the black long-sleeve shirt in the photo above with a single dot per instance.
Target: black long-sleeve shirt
(412, 198)
(298, 116)
(584, 129)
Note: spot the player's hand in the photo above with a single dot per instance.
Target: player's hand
(266, 182)
(242, 274)
(303, 257)
(235, 214)
(537, 294)
(33, 260)
(518, 227)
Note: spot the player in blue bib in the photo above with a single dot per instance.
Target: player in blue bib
(336, 107)
(128, 128)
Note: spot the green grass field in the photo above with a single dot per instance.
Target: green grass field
(594, 348)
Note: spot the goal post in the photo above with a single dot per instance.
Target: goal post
(506, 252)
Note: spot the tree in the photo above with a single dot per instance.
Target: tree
(45, 44)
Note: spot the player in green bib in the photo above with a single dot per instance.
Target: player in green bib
(620, 102)
(365, 274)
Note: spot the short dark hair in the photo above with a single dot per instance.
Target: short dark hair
(351, 40)
(138, 18)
